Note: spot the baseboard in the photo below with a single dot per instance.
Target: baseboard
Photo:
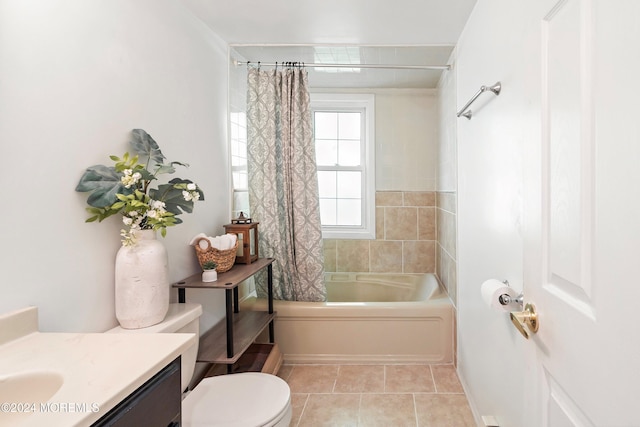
(327, 359)
(472, 404)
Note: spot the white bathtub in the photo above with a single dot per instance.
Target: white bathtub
(369, 318)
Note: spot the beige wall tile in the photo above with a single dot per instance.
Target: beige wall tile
(419, 256)
(426, 223)
(389, 198)
(329, 248)
(439, 262)
(446, 201)
(386, 256)
(453, 282)
(352, 255)
(446, 231)
(401, 223)
(419, 198)
(446, 271)
(380, 223)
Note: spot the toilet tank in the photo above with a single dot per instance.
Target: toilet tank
(181, 318)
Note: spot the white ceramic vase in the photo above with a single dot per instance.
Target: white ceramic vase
(142, 282)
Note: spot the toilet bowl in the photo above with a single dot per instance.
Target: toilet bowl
(250, 399)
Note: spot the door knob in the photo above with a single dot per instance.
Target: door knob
(527, 317)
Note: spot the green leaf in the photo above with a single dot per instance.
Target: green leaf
(165, 169)
(146, 147)
(104, 184)
(175, 181)
(172, 197)
(185, 165)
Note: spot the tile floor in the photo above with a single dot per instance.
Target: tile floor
(376, 395)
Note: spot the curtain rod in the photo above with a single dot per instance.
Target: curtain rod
(322, 65)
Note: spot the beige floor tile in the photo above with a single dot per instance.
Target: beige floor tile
(334, 410)
(386, 410)
(408, 379)
(446, 379)
(360, 379)
(313, 378)
(285, 371)
(298, 402)
(437, 410)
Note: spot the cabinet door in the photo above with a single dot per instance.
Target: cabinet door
(156, 403)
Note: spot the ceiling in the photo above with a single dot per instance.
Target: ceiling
(401, 32)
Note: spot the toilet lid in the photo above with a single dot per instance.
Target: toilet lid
(248, 399)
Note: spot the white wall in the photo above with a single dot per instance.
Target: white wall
(500, 43)
(77, 76)
(447, 176)
(406, 137)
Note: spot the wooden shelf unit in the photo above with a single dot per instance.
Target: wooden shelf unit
(227, 340)
(246, 328)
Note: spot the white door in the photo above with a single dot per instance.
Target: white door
(582, 218)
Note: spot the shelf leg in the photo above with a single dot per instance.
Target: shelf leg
(228, 297)
(236, 307)
(182, 295)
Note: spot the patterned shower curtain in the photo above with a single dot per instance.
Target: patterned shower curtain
(283, 182)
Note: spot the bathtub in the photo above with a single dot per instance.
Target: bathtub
(368, 318)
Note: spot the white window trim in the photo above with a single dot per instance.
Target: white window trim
(321, 101)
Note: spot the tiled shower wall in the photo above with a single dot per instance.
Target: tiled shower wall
(446, 243)
(405, 238)
(447, 178)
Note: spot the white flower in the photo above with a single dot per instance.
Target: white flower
(191, 187)
(130, 178)
(157, 204)
(190, 195)
(152, 213)
(127, 221)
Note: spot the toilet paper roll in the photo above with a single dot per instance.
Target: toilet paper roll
(491, 291)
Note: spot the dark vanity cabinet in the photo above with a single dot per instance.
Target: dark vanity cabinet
(156, 403)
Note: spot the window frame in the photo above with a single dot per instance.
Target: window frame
(365, 103)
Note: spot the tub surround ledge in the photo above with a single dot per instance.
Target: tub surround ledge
(98, 370)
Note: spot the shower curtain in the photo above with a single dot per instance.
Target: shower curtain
(283, 182)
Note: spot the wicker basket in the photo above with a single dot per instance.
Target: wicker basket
(224, 258)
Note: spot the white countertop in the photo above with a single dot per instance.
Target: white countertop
(99, 370)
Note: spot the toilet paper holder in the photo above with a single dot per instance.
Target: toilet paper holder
(506, 299)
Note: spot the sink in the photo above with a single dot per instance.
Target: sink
(24, 392)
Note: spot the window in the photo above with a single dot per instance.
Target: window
(344, 136)
(238, 125)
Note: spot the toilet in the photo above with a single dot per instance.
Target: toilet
(249, 399)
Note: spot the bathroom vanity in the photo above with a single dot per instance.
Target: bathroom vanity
(76, 379)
